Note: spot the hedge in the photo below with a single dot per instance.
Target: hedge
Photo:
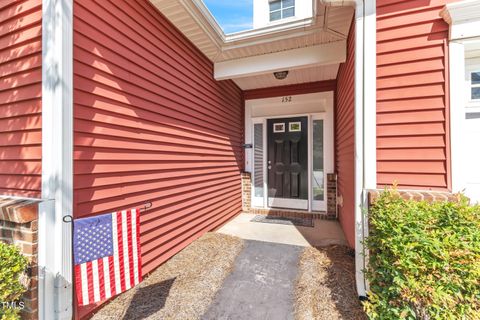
(424, 259)
(12, 266)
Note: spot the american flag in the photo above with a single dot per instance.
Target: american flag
(106, 250)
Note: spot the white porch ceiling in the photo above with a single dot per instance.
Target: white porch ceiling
(298, 76)
(330, 23)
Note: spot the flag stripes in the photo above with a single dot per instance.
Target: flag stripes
(105, 277)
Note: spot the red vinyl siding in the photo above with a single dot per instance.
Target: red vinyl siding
(412, 95)
(345, 139)
(151, 124)
(20, 97)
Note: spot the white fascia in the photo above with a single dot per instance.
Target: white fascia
(365, 129)
(322, 54)
(463, 18)
(55, 239)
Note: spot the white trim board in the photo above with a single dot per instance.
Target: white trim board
(365, 128)
(55, 256)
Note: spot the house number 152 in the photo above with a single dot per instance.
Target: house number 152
(287, 99)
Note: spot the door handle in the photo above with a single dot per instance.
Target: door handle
(269, 167)
(269, 162)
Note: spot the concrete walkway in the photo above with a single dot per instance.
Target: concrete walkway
(324, 232)
(261, 285)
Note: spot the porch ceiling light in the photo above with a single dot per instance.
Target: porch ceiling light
(280, 75)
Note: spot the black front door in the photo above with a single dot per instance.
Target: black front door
(288, 158)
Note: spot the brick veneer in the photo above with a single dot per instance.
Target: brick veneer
(418, 195)
(332, 195)
(19, 226)
(246, 191)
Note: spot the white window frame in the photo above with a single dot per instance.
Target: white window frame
(471, 65)
(281, 10)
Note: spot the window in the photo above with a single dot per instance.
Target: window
(318, 163)
(279, 127)
(475, 85)
(281, 9)
(472, 82)
(258, 159)
(295, 126)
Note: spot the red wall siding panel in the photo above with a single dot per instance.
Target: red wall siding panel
(412, 95)
(20, 97)
(345, 139)
(151, 124)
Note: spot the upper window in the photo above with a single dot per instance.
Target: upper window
(475, 85)
(472, 81)
(280, 9)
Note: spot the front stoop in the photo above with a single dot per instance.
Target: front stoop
(330, 214)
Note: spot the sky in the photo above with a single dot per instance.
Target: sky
(232, 15)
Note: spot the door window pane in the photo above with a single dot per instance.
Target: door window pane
(318, 171)
(258, 159)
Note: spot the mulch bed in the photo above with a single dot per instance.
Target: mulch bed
(325, 286)
(183, 287)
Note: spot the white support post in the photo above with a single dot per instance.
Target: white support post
(457, 113)
(365, 128)
(358, 124)
(370, 95)
(55, 256)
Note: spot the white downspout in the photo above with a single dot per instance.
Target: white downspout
(365, 129)
(54, 236)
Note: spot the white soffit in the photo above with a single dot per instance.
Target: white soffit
(463, 18)
(298, 76)
(322, 54)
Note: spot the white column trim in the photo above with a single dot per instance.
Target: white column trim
(370, 95)
(365, 128)
(55, 256)
(457, 113)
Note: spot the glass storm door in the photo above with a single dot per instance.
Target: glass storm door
(287, 162)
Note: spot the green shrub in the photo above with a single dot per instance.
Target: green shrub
(424, 259)
(12, 266)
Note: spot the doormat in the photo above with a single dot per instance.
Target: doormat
(300, 222)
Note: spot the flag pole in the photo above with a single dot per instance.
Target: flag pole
(69, 219)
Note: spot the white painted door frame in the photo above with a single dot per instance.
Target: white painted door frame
(328, 134)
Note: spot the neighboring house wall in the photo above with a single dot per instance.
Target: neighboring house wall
(412, 95)
(151, 124)
(20, 97)
(345, 139)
